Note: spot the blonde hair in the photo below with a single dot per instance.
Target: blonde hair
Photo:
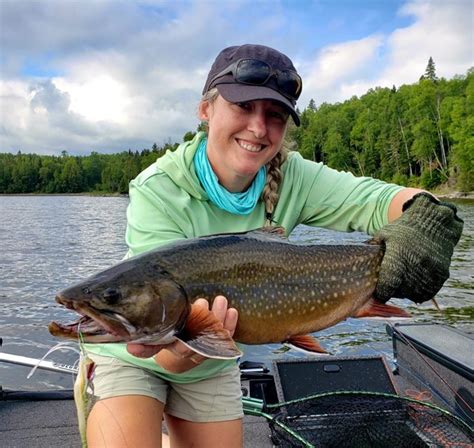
(274, 174)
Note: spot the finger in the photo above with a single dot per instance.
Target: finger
(197, 359)
(143, 351)
(219, 307)
(179, 349)
(201, 303)
(230, 321)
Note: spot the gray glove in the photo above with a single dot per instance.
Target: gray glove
(418, 249)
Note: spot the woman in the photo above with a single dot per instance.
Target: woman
(236, 177)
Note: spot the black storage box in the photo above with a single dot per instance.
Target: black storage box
(336, 424)
(300, 378)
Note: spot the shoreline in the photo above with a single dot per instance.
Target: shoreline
(92, 194)
(452, 195)
(456, 195)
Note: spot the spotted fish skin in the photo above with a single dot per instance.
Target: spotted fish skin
(279, 289)
(282, 292)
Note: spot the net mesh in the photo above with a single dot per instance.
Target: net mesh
(360, 419)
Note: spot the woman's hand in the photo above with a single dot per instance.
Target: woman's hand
(418, 249)
(176, 357)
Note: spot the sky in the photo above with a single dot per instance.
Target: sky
(112, 75)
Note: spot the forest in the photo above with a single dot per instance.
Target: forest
(415, 135)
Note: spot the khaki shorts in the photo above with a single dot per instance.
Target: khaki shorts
(213, 399)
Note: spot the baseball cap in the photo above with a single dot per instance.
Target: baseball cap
(255, 72)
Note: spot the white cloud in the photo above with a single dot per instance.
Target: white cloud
(119, 87)
(126, 74)
(336, 63)
(99, 99)
(39, 119)
(442, 30)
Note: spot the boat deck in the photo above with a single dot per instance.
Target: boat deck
(425, 363)
(39, 424)
(52, 423)
(46, 423)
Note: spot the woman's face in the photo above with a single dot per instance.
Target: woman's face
(242, 138)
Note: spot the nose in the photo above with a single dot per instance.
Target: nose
(258, 123)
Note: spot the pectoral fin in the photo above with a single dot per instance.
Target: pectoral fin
(306, 343)
(205, 334)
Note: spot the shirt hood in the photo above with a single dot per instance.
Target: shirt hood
(179, 167)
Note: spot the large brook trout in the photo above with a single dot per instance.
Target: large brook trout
(282, 291)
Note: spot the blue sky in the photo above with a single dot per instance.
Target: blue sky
(108, 75)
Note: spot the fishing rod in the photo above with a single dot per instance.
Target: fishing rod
(247, 368)
(67, 368)
(35, 362)
(40, 364)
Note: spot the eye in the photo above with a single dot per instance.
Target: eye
(86, 290)
(244, 105)
(279, 115)
(112, 295)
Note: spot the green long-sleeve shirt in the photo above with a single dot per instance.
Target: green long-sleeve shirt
(167, 202)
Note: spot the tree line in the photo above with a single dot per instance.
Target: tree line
(417, 135)
(101, 173)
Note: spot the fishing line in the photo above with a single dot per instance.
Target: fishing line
(84, 357)
(61, 346)
(89, 387)
(80, 340)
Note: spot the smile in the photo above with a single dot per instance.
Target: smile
(251, 147)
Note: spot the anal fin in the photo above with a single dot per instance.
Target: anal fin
(307, 343)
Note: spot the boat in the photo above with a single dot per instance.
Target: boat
(434, 373)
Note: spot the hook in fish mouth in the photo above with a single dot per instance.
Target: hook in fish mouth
(94, 325)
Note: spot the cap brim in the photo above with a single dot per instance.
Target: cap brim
(237, 93)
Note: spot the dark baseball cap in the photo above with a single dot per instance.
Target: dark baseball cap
(284, 87)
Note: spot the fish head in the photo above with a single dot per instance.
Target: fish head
(130, 302)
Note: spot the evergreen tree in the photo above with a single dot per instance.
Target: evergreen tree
(430, 72)
(419, 134)
(188, 136)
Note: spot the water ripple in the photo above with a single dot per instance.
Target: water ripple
(50, 242)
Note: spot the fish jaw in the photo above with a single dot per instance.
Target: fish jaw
(143, 312)
(94, 325)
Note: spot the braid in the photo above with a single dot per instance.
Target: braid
(274, 177)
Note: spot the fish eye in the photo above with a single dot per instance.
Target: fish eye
(112, 295)
(86, 290)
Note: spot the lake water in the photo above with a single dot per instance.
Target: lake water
(50, 242)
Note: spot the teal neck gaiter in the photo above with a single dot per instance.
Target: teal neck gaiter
(237, 203)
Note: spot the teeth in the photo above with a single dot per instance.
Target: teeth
(249, 147)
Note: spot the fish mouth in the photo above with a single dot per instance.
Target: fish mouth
(94, 325)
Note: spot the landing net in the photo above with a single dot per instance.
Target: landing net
(364, 420)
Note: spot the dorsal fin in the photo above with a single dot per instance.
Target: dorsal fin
(276, 233)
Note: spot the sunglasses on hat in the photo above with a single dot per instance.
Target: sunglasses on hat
(257, 73)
